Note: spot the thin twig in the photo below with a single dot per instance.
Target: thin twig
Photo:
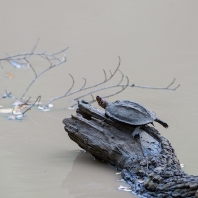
(105, 75)
(150, 87)
(71, 85)
(23, 103)
(22, 55)
(106, 79)
(123, 88)
(92, 97)
(104, 88)
(176, 87)
(46, 57)
(85, 80)
(55, 61)
(26, 103)
(26, 59)
(110, 73)
(7, 95)
(42, 72)
(171, 83)
(38, 99)
(34, 47)
(85, 88)
(66, 94)
(60, 51)
(121, 77)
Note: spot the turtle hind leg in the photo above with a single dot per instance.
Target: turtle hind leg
(164, 124)
(136, 131)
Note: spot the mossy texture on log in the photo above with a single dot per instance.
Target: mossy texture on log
(148, 157)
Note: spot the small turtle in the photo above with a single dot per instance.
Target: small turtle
(129, 112)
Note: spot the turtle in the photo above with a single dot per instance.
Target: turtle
(129, 112)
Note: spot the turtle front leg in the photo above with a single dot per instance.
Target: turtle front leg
(136, 131)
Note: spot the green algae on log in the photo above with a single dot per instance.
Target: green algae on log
(148, 156)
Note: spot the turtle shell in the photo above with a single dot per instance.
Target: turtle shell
(129, 112)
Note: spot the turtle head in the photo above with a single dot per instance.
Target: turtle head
(101, 101)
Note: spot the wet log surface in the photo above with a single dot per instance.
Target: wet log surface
(148, 161)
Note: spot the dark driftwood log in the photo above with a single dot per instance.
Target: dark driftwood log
(148, 162)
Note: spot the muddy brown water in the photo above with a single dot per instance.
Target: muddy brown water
(157, 42)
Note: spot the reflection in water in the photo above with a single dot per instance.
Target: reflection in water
(92, 178)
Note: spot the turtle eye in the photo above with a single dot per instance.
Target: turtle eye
(98, 98)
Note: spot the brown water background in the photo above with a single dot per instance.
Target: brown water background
(157, 42)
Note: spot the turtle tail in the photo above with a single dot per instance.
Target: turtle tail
(164, 124)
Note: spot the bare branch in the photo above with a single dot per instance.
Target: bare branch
(23, 55)
(71, 85)
(92, 97)
(50, 62)
(171, 83)
(22, 104)
(150, 87)
(35, 45)
(110, 73)
(31, 66)
(8, 95)
(121, 77)
(106, 79)
(85, 88)
(176, 87)
(38, 99)
(85, 80)
(123, 88)
(65, 95)
(26, 103)
(42, 72)
(60, 51)
(55, 60)
(105, 75)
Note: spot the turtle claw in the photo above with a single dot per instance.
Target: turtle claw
(136, 131)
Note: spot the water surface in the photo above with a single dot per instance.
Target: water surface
(157, 42)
